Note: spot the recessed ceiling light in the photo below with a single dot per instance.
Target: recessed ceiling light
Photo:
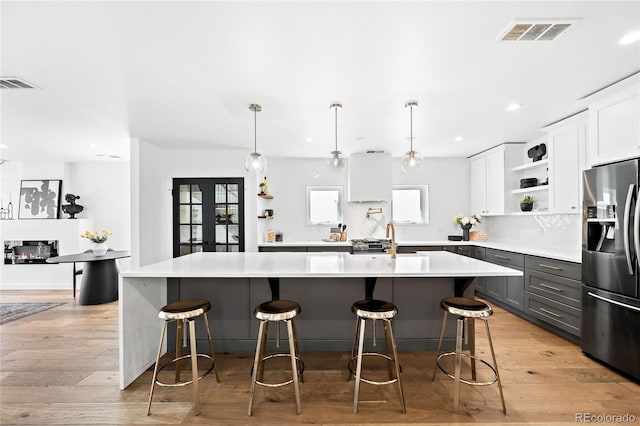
(459, 139)
(630, 38)
(3, 146)
(514, 106)
(309, 140)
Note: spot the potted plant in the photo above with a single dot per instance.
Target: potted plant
(526, 204)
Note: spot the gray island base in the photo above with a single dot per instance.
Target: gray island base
(325, 285)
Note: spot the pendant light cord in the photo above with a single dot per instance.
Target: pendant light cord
(411, 125)
(336, 110)
(255, 130)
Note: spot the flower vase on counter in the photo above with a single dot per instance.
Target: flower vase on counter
(465, 231)
(99, 249)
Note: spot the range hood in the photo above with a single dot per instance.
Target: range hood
(369, 177)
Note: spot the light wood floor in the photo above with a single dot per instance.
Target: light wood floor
(61, 367)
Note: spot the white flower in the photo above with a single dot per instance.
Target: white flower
(473, 220)
(464, 220)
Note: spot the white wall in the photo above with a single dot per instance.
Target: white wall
(288, 177)
(152, 173)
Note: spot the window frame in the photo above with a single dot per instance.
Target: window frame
(424, 203)
(340, 206)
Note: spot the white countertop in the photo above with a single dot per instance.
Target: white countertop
(432, 264)
(550, 252)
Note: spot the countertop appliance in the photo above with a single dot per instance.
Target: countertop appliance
(370, 245)
(611, 265)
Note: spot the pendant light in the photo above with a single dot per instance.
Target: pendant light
(255, 162)
(412, 160)
(336, 162)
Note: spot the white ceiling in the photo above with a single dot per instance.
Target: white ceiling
(182, 74)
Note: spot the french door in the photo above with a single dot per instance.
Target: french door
(208, 215)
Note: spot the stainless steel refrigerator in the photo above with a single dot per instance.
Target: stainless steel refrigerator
(611, 265)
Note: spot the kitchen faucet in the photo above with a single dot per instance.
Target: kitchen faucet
(392, 250)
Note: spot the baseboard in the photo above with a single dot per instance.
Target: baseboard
(37, 286)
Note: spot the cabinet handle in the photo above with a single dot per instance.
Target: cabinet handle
(549, 312)
(550, 287)
(555, 268)
(502, 257)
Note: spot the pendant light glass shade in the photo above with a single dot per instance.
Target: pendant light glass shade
(337, 162)
(412, 160)
(255, 162)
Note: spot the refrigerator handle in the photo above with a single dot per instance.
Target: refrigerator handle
(626, 229)
(636, 229)
(615, 302)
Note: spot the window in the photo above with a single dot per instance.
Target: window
(324, 205)
(410, 204)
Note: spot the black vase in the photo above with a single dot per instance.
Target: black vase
(465, 231)
(526, 207)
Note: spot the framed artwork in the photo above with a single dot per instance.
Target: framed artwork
(39, 199)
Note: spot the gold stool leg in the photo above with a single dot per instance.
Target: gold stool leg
(179, 325)
(354, 347)
(155, 369)
(458, 367)
(444, 325)
(356, 393)
(495, 365)
(213, 356)
(256, 362)
(471, 327)
(194, 366)
(294, 365)
(397, 365)
(295, 340)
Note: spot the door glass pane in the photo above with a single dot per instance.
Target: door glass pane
(221, 247)
(234, 247)
(196, 248)
(234, 233)
(232, 193)
(232, 213)
(185, 233)
(221, 193)
(184, 213)
(196, 234)
(185, 249)
(196, 214)
(221, 234)
(185, 194)
(196, 194)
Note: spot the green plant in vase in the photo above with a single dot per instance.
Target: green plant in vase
(526, 204)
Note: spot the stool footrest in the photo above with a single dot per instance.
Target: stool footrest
(373, 382)
(468, 382)
(286, 382)
(187, 356)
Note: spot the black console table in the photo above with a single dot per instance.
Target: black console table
(100, 276)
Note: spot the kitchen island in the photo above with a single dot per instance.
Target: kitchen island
(325, 285)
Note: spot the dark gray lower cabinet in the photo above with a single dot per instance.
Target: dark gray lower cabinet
(505, 290)
(289, 249)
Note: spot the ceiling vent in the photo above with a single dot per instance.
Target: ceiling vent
(15, 83)
(534, 30)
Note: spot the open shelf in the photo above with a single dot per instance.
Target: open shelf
(532, 165)
(530, 189)
(265, 196)
(265, 217)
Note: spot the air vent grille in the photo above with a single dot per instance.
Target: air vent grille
(539, 30)
(15, 83)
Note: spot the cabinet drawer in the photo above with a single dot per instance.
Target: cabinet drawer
(413, 249)
(553, 287)
(462, 250)
(478, 252)
(556, 267)
(505, 258)
(560, 315)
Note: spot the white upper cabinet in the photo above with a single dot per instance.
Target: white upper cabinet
(614, 127)
(490, 179)
(567, 145)
(369, 177)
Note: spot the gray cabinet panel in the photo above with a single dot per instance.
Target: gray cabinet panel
(413, 249)
(564, 317)
(282, 249)
(494, 287)
(514, 291)
(329, 249)
(505, 258)
(554, 287)
(557, 267)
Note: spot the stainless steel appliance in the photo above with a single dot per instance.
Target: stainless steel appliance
(611, 265)
(370, 245)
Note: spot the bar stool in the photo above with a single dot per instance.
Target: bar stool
(181, 311)
(371, 309)
(467, 310)
(276, 311)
